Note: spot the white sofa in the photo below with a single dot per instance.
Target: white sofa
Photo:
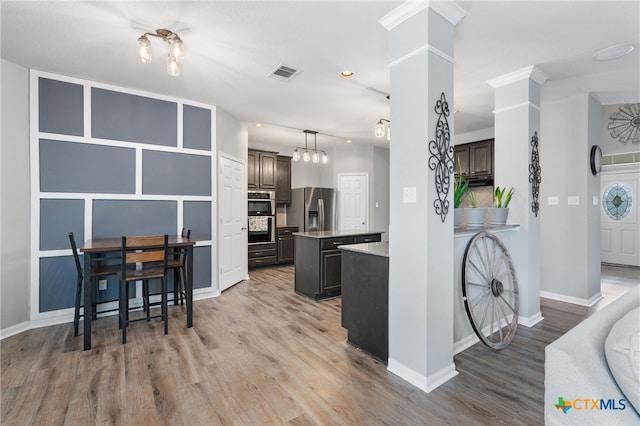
(576, 368)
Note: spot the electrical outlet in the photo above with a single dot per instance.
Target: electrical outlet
(102, 285)
(553, 201)
(595, 200)
(573, 200)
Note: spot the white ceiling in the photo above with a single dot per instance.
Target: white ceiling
(232, 47)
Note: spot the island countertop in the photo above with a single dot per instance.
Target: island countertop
(380, 248)
(334, 234)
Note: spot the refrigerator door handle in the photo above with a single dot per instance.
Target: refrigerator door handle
(321, 214)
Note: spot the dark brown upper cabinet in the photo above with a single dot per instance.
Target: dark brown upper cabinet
(261, 170)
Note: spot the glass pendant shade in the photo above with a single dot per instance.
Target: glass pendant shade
(173, 66)
(306, 156)
(315, 157)
(325, 158)
(144, 49)
(389, 133)
(379, 132)
(177, 49)
(296, 155)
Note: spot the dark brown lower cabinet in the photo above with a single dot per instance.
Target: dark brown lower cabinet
(286, 244)
(262, 255)
(318, 265)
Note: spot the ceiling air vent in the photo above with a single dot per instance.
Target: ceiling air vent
(284, 73)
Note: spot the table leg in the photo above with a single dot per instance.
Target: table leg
(88, 297)
(188, 286)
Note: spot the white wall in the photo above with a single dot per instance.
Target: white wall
(231, 135)
(478, 135)
(569, 234)
(15, 216)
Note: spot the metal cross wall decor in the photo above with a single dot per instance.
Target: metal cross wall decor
(535, 173)
(441, 158)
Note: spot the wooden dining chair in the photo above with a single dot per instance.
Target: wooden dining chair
(150, 254)
(96, 271)
(177, 264)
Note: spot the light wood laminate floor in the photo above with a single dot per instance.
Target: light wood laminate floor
(260, 354)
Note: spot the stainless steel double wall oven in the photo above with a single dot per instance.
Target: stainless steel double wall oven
(262, 217)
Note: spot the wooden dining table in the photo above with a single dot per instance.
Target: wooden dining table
(97, 248)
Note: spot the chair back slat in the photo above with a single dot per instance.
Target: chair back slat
(144, 242)
(145, 256)
(74, 249)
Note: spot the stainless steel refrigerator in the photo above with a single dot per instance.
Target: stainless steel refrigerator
(313, 209)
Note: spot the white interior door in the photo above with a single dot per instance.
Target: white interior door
(353, 201)
(619, 218)
(233, 222)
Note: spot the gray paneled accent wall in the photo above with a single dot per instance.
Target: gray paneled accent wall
(81, 167)
(166, 173)
(126, 117)
(113, 162)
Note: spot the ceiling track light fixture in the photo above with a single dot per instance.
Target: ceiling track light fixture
(314, 154)
(383, 129)
(176, 49)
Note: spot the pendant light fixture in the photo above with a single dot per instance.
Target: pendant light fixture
(176, 49)
(383, 129)
(315, 155)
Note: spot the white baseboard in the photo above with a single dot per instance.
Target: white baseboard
(65, 316)
(14, 329)
(573, 300)
(465, 343)
(422, 382)
(532, 320)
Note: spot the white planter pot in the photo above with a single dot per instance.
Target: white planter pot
(475, 216)
(498, 216)
(457, 217)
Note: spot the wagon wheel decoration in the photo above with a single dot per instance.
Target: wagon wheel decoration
(490, 290)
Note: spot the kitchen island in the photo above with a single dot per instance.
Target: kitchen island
(365, 297)
(318, 270)
(365, 292)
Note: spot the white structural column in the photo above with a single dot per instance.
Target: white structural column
(420, 243)
(517, 120)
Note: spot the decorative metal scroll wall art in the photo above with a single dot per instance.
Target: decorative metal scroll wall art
(624, 124)
(441, 158)
(535, 173)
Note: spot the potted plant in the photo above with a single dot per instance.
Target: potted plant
(460, 187)
(501, 199)
(475, 215)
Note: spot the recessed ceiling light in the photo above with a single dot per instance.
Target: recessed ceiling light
(613, 52)
(348, 141)
(347, 74)
(258, 124)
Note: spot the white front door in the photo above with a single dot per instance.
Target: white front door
(353, 201)
(232, 209)
(619, 217)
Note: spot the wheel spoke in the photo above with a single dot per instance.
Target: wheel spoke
(479, 285)
(482, 262)
(508, 304)
(506, 318)
(481, 273)
(483, 297)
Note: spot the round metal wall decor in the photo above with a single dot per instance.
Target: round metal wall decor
(441, 158)
(535, 174)
(617, 201)
(624, 124)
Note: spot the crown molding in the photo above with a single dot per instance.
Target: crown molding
(448, 9)
(531, 72)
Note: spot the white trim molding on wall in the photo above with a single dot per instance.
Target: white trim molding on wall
(39, 319)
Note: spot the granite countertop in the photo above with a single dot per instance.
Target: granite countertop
(332, 234)
(380, 248)
(465, 230)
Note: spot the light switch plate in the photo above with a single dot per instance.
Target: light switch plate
(409, 194)
(102, 285)
(573, 200)
(595, 200)
(553, 201)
